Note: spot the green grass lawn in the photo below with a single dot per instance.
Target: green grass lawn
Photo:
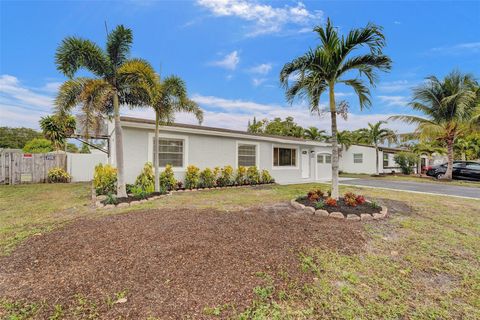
(464, 183)
(420, 263)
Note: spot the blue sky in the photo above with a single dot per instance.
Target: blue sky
(230, 52)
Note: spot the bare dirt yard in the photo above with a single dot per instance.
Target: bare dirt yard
(235, 254)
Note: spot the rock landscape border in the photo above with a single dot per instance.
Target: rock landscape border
(338, 215)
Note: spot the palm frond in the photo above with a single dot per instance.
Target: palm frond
(119, 42)
(75, 53)
(362, 91)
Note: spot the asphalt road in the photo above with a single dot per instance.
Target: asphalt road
(436, 188)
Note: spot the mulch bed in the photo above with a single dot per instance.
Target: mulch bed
(344, 208)
(172, 263)
(131, 198)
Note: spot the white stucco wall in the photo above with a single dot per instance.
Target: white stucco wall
(367, 166)
(81, 166)
(210, 151)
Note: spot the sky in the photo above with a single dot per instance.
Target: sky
(230, 52)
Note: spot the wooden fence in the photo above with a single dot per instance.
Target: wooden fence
(18, 167)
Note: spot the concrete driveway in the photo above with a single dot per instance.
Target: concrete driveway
(420, 187)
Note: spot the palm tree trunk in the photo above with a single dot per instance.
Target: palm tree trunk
(376, 154)
(448, 173)
(155, 155)
(464, 156)
(121, 187)
(333, 114)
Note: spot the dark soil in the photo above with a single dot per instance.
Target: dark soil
(131, 198)
(172, 263)
(344, 208)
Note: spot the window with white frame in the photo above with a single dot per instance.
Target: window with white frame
(247, 155)
(284, 157)
(324, 158)
(170, 151)
(358, 158)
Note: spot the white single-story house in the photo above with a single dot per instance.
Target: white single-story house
(288, 159)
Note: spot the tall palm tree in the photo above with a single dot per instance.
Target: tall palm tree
(466, 145)
(375, 135)
(331, 63)
(170, 96)
(448, 105)
(315, 134)
(57, 129)
(124, 81)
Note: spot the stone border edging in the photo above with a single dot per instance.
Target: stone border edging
(97, 200)
(338, 215)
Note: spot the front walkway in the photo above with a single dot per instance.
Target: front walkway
(418, 187)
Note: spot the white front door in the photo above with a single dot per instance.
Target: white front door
(324, 166)
(305, 164)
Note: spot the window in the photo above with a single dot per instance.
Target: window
(473, 166)
(170, 151)
(385, 160)
(247, 155)
(284, 157)
(319, 158)
(328, 158)
(324, 158)
(358, 158)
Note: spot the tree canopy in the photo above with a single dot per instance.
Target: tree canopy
(16, 138)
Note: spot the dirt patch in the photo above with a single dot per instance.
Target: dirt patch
(395, 206)
(172, 263)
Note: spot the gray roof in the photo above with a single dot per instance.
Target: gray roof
(214, 129)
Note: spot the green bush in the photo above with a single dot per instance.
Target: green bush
(241, 176)
(146, 178)
(105, 179)
(192, 177)
(207, 178)
(58, 175)
(319, 205)
(167, 179)
(253, 176)
(226, 177)
(406, 161)
(139, 193)
(265, 177)
(38, 145)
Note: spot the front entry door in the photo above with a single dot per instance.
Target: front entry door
(305, 164)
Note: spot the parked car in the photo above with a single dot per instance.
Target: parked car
(466, 170)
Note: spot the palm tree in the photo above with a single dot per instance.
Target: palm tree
(448, 105)
(57, 129)
(464, 145)
(170, 96)
(344, 140)
(332, 63)
(123, 80)
(376, 135)
(314, 134)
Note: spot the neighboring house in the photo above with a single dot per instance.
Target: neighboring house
(288, 159)
(361, 159)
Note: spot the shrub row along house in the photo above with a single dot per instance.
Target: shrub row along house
(288, 159)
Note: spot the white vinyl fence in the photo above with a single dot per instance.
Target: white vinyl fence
(81, 165)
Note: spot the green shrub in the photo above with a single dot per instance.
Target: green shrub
(241, 176)
(192, 177)
(265, 177)
(105, 179)
(167, 179)
(58, 175)
(146, 178)
(38, 145)
(111, 199)
(226, 177)
(319, 205)
(207, 178)
(139, 192)
(406, 161)
(253, 176)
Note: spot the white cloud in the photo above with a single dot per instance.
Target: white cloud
(258, 81)
(230, 61)
(394, 101)
(461, 48)
(265, 19)
(226, 104)
(263, 68)
(397, 22)
(21, 105)
(394, 86)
